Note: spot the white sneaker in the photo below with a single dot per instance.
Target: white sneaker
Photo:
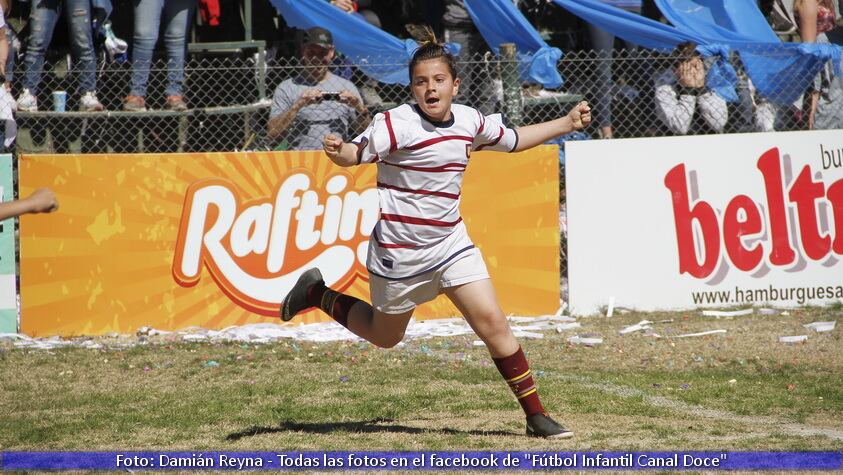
(90, 103)
(27, 102)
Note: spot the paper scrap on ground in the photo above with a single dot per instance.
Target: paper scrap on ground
(562, 309)
(567, 326)
(725, 313)
(522, 327)
(578, 340)
(541, 318)
(642, 325)
(793, 339)
(821, 326)
(709, 332)
(523, 334)
(149, 331)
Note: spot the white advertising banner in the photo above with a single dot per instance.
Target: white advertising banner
(705, 221)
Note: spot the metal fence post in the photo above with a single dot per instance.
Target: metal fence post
(513, 106)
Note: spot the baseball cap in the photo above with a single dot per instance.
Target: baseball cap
(317, 36)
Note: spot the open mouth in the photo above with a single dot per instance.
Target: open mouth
(431, 101)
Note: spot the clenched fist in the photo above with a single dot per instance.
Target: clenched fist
(332, 146)
(42, 200)
(580, 115)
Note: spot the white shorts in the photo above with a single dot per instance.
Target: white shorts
(399, 296)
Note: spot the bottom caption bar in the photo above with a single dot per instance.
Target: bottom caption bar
(310, 461)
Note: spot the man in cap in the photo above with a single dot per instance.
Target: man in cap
(316, 102)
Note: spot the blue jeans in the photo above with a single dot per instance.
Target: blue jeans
(45, 14)
(177, 17)
(10, 61)
(603, 43)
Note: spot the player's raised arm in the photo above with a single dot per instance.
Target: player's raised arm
(341, 153)
(531, 135)
(41, 200)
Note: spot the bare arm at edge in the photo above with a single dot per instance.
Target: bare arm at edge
(531, 135)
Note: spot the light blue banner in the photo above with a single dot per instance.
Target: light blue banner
(8, 268)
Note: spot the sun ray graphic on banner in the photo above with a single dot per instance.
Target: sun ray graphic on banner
(115, 257)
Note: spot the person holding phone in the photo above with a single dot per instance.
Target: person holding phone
(316, 102)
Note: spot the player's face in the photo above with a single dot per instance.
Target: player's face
(434, 88)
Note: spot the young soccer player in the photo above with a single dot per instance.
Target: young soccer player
(420, 247)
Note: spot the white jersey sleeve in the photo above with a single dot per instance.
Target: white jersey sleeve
(493, 135)
(380, 138)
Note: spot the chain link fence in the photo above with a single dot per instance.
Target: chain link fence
(637, 93)
(633, 93)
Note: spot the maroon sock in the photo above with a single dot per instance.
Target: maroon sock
(516, 372)
(335, 304)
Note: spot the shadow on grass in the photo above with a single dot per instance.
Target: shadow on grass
(364, 427)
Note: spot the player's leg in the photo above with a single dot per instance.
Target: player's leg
(478, 303)
(382, 329)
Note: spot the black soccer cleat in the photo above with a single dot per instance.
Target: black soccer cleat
(541, 425)
(296, 299)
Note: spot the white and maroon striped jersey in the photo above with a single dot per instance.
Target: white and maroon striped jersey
(420, 171)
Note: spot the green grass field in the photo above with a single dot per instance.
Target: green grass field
(742, 390)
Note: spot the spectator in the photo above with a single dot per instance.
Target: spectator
(603, 43)
(683, 103)
(11, 41)
(7, 104)
(14, 48)
(475, 79)
(43, 19)
(766, 116)
(4, 41)
(360, 7)
(316, 102)
(178, 15)
(751, 112)
(816, 21)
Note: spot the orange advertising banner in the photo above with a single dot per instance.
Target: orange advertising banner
(217, 239)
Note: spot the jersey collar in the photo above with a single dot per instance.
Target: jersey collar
(438, 124)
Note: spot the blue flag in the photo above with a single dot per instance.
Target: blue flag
(499, 21)
(375, 52)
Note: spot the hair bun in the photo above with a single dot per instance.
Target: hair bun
(423, 34)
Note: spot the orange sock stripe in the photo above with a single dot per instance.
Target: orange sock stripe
(329, 298)
(531, 391)
(521, 382)
(516, 379)
(524, 388)
(322, 305)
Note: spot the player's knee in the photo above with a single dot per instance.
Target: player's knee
(492, 316)
(389, 341)
(493, 322)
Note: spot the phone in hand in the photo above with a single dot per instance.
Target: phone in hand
(330, 96)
